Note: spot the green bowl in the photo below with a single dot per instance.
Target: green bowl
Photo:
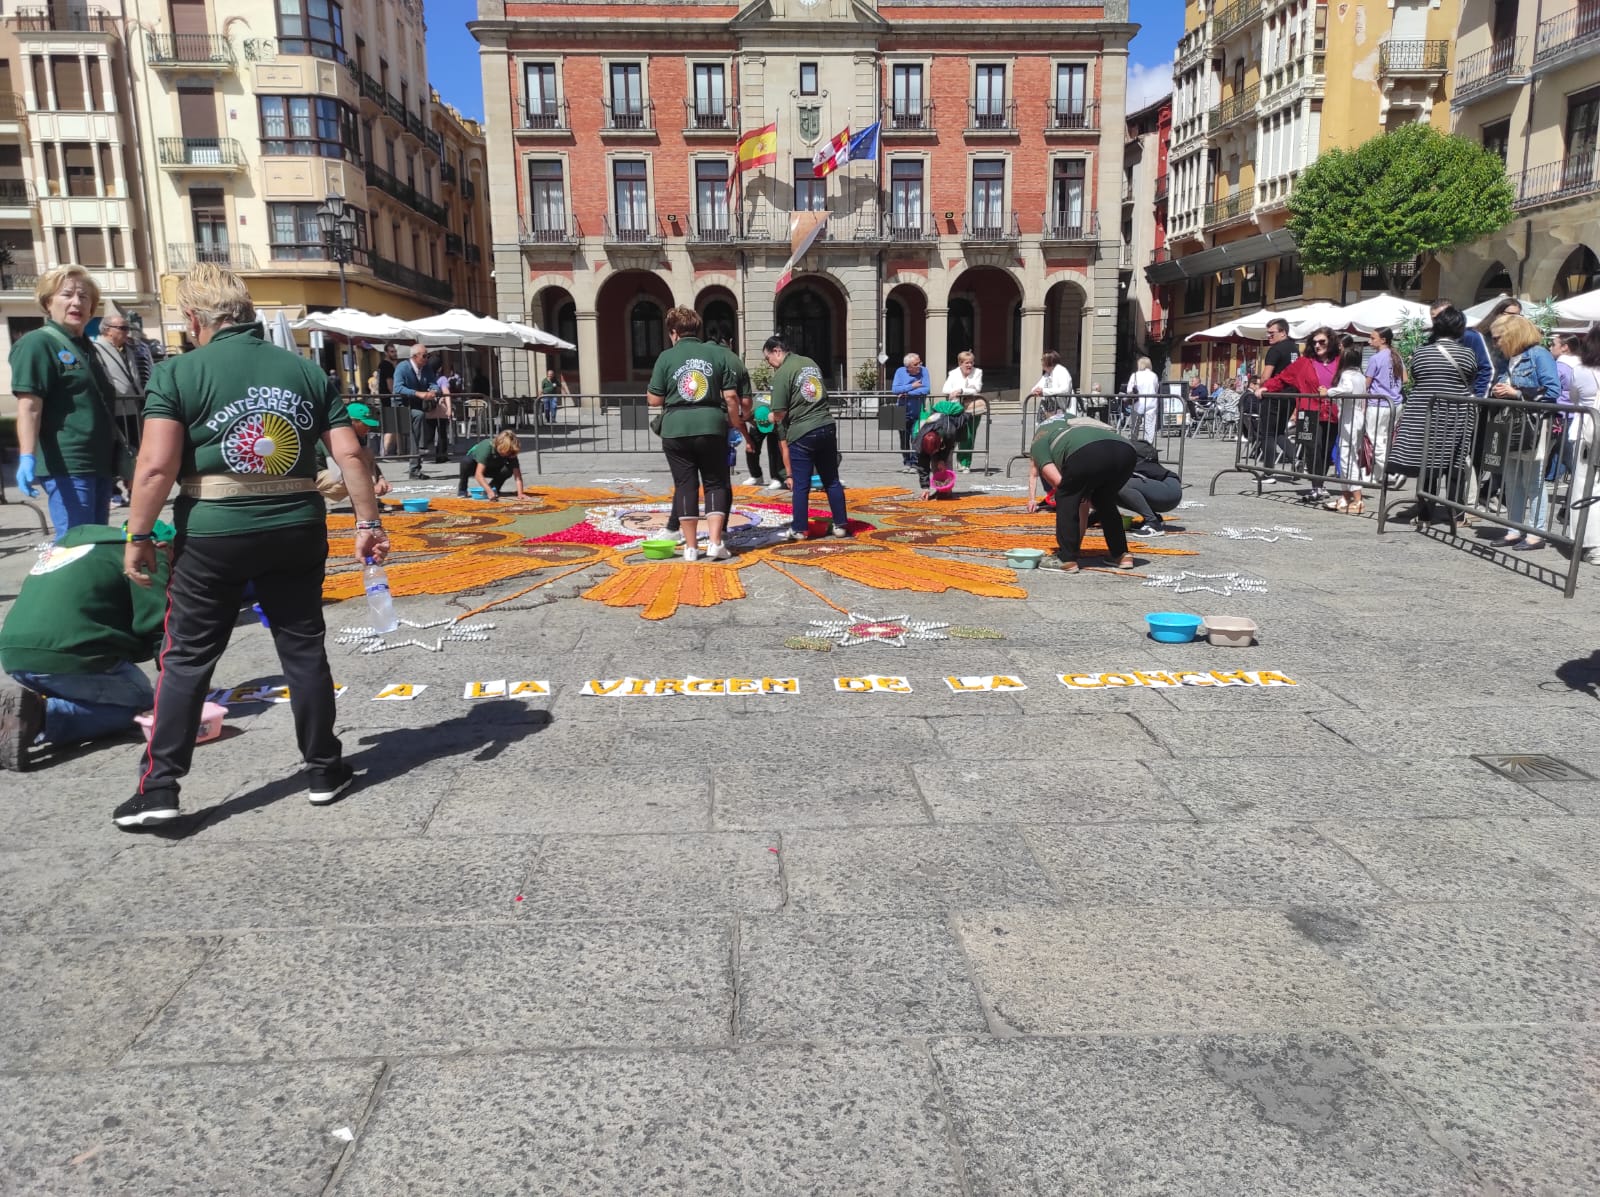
(659, 550)
(1024, 558)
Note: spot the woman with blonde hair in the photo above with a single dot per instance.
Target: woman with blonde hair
(1530, 375)
(490, 463)
(67, 440)
(964, 384)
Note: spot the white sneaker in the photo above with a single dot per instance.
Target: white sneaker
(751, 481)
(775, 485)
(718, 552)
(690, 553)
(791, 534)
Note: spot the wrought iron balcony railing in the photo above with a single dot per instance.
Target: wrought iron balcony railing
(189, 50)
(1236, 107)
(1071, 226)
(1567, 35)
(630, 116)
(1235, 16)
(641, 227)
(1236, 205)
(904, 116)
(411, 280)
(452, 245)
(16, 193)
(906, 226)
(1413, 58)
(1071, 116)
(184, 255)
(990, 226)
(52, 19)
(702, 117)
(1569, 178)
(991, 116)
(1486, 72)
(550, 229)
(201, 153)
(549, 117)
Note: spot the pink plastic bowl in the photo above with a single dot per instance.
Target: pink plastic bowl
(944, 481)
(211, 716)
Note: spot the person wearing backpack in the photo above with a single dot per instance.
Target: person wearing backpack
(67, 440)
(1087, 463)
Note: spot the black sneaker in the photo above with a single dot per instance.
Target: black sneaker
(145, 810)
(21, 721)
(328, 784)
(1147, 532)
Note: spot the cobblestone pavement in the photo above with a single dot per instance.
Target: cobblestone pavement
(1102, 939)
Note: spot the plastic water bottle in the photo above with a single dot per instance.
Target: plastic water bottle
(734, 441)
(379, 601)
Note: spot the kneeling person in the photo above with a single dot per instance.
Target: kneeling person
(1087, 463)
(491, 464)
(1151, 491)
(73, 640)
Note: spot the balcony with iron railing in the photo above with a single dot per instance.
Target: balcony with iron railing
(1571, 178)
(373, 90)
(416, 127)
(990, 227)
(1488, 72)
(1567, 37)
(1234, 18)
(1071, 116)
(906, 226)
(1235, 108)
(1127, 256)
(1071, 225)
(395, 109)
(469, 190)
(21, 275)
(630, 117)
(903, 116)
(412, 280)
(1127, 190)
(434, 140)
(552, 229)
(1161, 189)
(642, 227)
(405, 193)
(1191, 48)
(1234, 207)
(17, 193)
(189, 51)
(452, 245)
(52, 19)
(200, 153)
(551, 117)
(709, 120)
(474, 254)
(183, 256)
(13, 108)
(1160, 254)
(1412, 59)
(714, 226)
(447, 174)
(991, 117)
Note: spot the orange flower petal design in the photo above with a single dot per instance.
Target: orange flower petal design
(660, 587)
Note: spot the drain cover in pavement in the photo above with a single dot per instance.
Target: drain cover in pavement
(1534, 766)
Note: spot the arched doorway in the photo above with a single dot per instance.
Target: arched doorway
(905, 325)
(985, 316)
(810, 318)
(635, 302)
(555, 312)
(719, 316)
(1578, 275)
(1496, 282)
(1064, 306)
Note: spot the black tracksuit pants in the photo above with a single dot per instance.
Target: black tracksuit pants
(209, 575)
(1095, 472)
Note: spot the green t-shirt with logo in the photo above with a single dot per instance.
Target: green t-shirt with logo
(251, 409)
(741, 375)
(1060, 439)
(75, 436)
(692, 376)
(799, 391)
(483, 453)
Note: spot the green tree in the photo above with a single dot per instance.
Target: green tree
(1399, 198)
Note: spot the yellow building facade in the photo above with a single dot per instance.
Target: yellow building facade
(1259, 90)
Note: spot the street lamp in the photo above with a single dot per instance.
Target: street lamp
(338, 223)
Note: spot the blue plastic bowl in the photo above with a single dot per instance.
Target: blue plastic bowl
(1173, 627)
(477, 492)
(415, 505)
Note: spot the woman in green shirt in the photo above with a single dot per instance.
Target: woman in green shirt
(1087, 463)
(65, 437)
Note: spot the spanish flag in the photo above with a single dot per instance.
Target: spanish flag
(758, 147)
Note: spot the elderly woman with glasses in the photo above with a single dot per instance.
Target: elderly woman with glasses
(64, 427)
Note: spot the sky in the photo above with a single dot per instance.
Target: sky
(453, 54)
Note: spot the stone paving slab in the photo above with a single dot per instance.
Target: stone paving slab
(1469, 731)
(189, 1130)
(1429, 965)
(306, 884)
(1519, 1104)
(1198, 865)
(1109, 969)
(1033, 791)
(825, 794)
(572, 799)
(382, 991)
(1217, 733)
(1259, 1114)
(1289, 787)
(853, 977)
(641, 876)
(911, 870)
(78, 1001)
(782, 1120)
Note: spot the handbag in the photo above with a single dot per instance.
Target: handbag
(1366, 455)
(124, 461)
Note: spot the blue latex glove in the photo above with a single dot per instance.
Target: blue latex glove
(25, 475)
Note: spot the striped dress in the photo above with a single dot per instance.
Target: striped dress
(1441, 371)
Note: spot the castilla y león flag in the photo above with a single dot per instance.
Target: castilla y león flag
(758, 147)
(832, 156)
(804, 228)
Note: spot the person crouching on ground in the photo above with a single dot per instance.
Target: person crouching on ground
(490, 464)
(240, 417)
(363, 422)
(800, 407)
(1084, 461)
(938, 434)
(1151, 491)
(72, 641)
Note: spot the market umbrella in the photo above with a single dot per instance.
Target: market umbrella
(1233, 330)
(1301, 320)
(358, 325)
(460, 327)
(1381, 311)
(1580, 309)
(535, 338)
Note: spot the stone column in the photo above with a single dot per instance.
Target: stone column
(938, 335)
(1032, 348)
(588, 352)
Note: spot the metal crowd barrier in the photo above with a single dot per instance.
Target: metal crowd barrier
(1279, 441)
(1502, 463)
(1119, 412)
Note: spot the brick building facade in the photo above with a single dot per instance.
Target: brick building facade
(988, 221)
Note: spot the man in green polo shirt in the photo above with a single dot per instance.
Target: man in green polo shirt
(1085, 461)
(236, 421)
(695, 392)
(800, 407)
